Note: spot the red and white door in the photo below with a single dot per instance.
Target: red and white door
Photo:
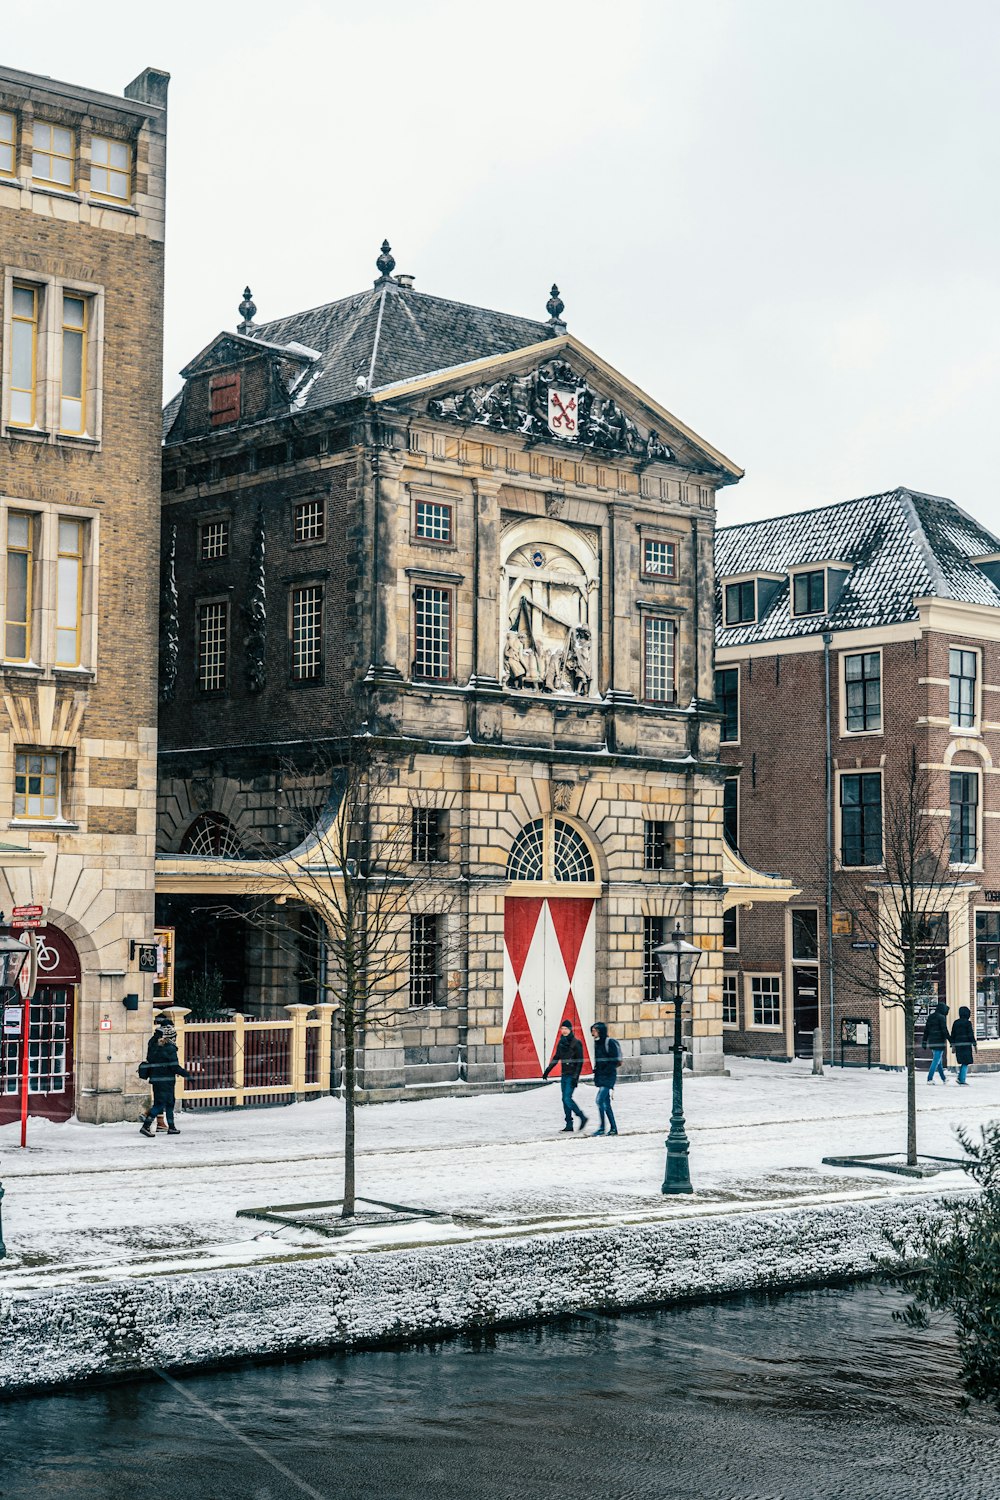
(549, 960)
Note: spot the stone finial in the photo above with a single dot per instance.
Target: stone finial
(554, 307)
(248, 309)
(386, 264)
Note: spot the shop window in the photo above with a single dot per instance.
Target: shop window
(988, 975)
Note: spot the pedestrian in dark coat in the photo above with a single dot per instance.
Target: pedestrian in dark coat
(963, 1039)
(569, 1056)
(936, 1038)
(607, 1061)
(164, 1067)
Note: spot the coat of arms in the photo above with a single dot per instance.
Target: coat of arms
(564, 411)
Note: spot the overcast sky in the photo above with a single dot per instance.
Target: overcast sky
(779, 217)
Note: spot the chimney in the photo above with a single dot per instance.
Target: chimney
(149, 88)
(405, 281)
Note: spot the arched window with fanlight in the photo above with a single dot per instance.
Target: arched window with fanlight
(551, 849)
(213, 835)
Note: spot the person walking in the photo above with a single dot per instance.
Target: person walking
(963, 1039)
(569, 1056)
(607, 1061)
(158, 1024)
(164, 1066)
(936, 1038)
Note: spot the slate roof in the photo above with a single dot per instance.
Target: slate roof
(902, 545)
(389, 334)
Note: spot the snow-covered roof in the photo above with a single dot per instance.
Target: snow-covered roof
(900, 546)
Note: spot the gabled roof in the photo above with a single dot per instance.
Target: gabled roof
(901, 546)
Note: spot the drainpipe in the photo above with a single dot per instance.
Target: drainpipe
(827, 641)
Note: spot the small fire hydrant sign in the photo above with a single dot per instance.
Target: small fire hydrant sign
(105, 1023)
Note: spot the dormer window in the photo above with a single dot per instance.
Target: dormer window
(809, 593)
(741, 602)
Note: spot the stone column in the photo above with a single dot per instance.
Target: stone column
(703, 540)
(486, 581)
(620, 573)
(390, 514)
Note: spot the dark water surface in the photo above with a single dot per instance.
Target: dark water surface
(813, 1394)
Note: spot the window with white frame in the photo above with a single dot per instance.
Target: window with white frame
(110, 168)
(213, 645)
(49, 616)
(432, 633)
(20, 585)
(37, 784)
(52, 373)
(213, 539)
(963, 671)
(53, 155)
(730, 1000)
(659, 660)
(964, 824)
(8, 144)
(765, 1000)
(309, 520)
(425, 959)
(73, 365)
(654, 933)
(863, 692)
(24, 365)
(432, 521)
(69, 591)
(306, 608)
(659, 558)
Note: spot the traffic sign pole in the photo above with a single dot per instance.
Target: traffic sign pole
(31, 964)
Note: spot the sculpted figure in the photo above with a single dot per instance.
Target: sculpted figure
(513, 660)
(578, 659)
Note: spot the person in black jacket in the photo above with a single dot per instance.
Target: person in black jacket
(936, 1038)
(607, 1061)
(164, 1066)
(963, 1039)
(569, 1055)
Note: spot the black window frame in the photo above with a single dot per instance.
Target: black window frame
(741, 592)
(427, 835)
(863, 813)
(963, 828)
(731, 812)
(804, 588)
(425, 960)
(868, 694)
(962, 714)
(727, 701)
(657, 844)
(654, 933)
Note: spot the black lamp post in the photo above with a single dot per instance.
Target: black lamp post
(12, 958)
(678, 960)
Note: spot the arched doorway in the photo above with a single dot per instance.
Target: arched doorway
(51, 1036)
(549, 944)
(214, 835)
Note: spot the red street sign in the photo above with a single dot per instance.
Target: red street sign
(27, 922)
(29, 911)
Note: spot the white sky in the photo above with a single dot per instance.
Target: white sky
(779, 217)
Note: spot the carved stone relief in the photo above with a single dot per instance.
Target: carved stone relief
(256, 614)
(550, 612)
(169, 622)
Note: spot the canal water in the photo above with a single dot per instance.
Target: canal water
(797, 1397)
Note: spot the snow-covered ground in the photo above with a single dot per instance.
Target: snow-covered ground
(89, 1203)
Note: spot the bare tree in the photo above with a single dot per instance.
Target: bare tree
(901, 914)
(362, 860)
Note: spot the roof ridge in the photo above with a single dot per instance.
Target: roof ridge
(378, 333)
(814, 510)
(929, 556)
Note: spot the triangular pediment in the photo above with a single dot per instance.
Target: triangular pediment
(228, 351)
(559, 392)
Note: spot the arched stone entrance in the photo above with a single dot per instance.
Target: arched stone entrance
(51, 1036)
(550, 947)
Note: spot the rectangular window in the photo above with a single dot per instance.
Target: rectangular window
(432, 633)
(432, 521)
(988, 975)
(214, 540)
(741, 603)
(425, 947)
(307, 633)
(863, 692)
(36, 784)
(69, 592)
(765, 997)
(659, 660)
(110, 168)
(23, 354)
(962, 673)
(659, 559)
(730, 1000)
(224, 398)
(73, 369)
(8, 145)
(308, 521)
(809, 593)
(654, 932)
(964, 817)
(805, 935)
(731, 812)
(52, 154)
(658, 845)
(213, 646)
(426, 834)
(861, 819)
(730, 930)
(20, 585)
(727, 699)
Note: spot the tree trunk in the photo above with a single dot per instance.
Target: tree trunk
(911, 1089)
(350, 1083)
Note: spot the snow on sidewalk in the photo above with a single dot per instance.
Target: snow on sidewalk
(101, 1201)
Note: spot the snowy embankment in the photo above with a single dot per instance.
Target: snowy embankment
(336, 1300)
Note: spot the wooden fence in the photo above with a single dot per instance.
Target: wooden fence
(247, 1062)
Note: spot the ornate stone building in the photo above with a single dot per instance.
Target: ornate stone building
(81, 309)
(505, 548)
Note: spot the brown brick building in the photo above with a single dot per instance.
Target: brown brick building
(894, 601)
(506, 548)
(81, 279)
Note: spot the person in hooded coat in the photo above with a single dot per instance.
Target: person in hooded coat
(569, 1056)
(963, 1039)
(607, 1060)
(936, 1038)
(164, 1067)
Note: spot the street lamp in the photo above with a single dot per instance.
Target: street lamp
(12, 957)
(678, 960)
